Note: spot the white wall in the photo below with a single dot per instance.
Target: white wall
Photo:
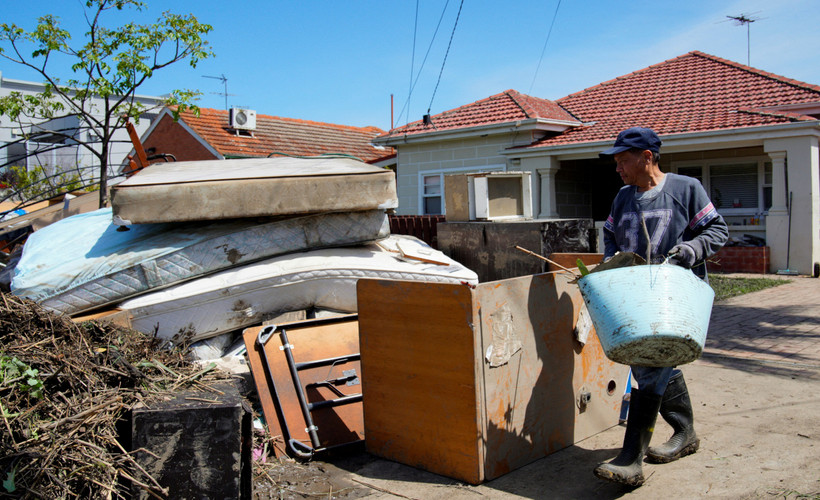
(462, 155)
(119, 148)
(795, 243)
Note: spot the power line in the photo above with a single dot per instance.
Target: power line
(418, 75)
(413, 57)
(544, 49)
(458, 15)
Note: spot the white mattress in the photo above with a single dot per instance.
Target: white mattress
(248, 295)
(251, 187)
(84, 262)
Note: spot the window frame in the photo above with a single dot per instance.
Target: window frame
(441, 172)
(706, 175)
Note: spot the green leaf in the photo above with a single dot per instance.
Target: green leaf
(582, 267)
(8, 483)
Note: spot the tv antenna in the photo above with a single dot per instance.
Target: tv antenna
(224, 81)
(747, 20)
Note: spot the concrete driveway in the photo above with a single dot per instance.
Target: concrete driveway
(756, 405)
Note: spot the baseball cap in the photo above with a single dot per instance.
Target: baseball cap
(634, 137)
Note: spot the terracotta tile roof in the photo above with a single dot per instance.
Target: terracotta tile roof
(695, 92)
(508, 106)
(284, 135)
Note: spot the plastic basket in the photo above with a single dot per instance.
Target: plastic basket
(652, 315)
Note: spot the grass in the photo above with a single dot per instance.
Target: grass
(731, 287)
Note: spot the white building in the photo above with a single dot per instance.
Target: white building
(55, 153)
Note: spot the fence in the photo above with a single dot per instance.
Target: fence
(422, 227)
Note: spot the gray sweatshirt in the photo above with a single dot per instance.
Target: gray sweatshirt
(677, 210)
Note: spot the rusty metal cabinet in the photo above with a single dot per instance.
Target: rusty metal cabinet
(472, 383)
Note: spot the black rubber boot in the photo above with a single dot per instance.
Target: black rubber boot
(626, 467)
(676, 409)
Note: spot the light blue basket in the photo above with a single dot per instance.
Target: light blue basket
(652, 315)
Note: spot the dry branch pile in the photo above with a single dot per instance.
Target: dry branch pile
(59, 423)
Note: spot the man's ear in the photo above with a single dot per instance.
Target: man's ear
(647, 155)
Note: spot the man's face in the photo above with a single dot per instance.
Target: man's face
(631, 166)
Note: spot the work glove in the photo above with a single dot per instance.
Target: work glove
(682, 255)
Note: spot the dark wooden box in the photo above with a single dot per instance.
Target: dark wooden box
(198, 444)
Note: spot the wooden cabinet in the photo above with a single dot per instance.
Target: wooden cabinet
(472, 383)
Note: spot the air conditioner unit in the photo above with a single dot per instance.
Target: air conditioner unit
(488, 196)
(243, 119)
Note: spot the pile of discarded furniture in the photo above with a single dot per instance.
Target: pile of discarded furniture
(350, 333)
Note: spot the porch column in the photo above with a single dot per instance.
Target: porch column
(794, 238)
(779, 188)
(548, 204)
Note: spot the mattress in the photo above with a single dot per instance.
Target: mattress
(84, 261)
(250, 294)
(224, 189)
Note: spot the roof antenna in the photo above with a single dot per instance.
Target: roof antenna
(747, 20)
(224, 81)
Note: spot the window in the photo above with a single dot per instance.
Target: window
(735, 187)
(432, 199)
(767, 186)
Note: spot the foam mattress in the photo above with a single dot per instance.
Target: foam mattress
(84, 261)
(224, 189)
(250, 294)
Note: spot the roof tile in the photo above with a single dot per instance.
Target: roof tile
(290, 136)
(695, 92)
(508, 106)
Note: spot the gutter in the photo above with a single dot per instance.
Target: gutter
(677, 142)
(481, 130)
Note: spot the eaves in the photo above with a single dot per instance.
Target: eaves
(533, 124)
(673, 143)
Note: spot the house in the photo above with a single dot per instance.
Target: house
(750, 136)
(217, 135)
(21, 145)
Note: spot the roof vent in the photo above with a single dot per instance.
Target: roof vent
(243, 119)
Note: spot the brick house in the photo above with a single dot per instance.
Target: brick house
(211, 136)
(750, 136)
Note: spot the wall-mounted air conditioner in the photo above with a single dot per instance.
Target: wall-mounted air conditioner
(488, 196)
(243, 119)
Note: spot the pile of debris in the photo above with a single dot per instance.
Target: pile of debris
(65, 388)
(190, 254)
(211, 247)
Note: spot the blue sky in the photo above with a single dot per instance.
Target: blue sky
(340, 61)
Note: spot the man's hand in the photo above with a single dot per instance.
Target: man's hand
(682, 255)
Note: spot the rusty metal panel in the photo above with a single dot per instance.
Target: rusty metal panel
(542, 389)
(311, 340)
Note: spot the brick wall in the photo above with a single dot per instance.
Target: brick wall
(572, 193)
(741, 260)
(170, 137)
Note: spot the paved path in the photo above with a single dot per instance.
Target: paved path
(755, 401)
(779, 324)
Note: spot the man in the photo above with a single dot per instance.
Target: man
(676, 214)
